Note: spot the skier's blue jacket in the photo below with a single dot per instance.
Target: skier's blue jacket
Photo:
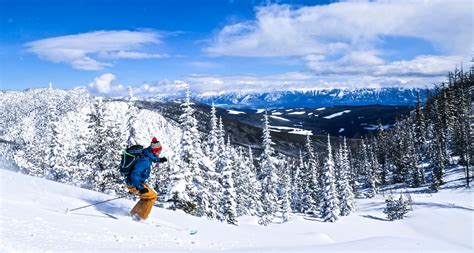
(142, 168)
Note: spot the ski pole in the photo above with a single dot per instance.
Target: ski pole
(74, 209)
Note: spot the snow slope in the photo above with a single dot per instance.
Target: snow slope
(33, 218)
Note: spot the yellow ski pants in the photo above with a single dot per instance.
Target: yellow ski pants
(143, 208)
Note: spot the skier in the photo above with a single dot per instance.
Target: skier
(137, 177)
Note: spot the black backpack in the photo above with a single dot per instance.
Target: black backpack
(129, 158)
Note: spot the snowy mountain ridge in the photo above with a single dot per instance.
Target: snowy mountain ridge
(314, 97)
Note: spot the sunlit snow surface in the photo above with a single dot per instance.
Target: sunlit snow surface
(279, 118)
(235, 112)
(291, 130)
(337, 114)
(33, 218)
(296, 113)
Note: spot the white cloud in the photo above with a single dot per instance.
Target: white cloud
(203, 64)
(160, 88)
(103, 84)
(129, 55)
(348, 38)
(367, 63)
(301, 81)
(79, 50)
(291, 81)
(280, 30)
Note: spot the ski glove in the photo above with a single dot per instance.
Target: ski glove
(143, 191)
(163, 159)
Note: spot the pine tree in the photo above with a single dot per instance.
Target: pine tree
(412, 160)
(46, 138)
(396, 209)
(111, 179)
(181, 190)
(56, 159)
(438, 161)
(285, 196)
(366, 167)
(213, 137)
(445, 120)
(462, 140)
(381, 153)
(352, 171)
(98, 147)
(310, 190)
(246, 185)
(28, 164)
(391, 208)
(297, 187)
(77, 154)
(419, 128)
(345, 193)
(403, 161)
(187, 180)
(220, 161)
(330, 206)
(228, 211)
(268, 177)
(131, 116)
(372, 172)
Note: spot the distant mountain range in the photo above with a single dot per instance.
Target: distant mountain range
(314, 98)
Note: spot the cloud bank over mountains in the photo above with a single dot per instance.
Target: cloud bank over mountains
(346, 44)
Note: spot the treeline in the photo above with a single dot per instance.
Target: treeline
(418, 149)
(210, 177)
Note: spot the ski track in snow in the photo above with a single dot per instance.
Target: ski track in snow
(33, 218)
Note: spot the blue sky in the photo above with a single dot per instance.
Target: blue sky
(155, 46)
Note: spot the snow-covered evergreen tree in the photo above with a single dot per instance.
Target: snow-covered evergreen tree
(296, 186)
(438, 153)
(213, 137)
(131, 117)
(98, 147)
(111, 179)
(372, 172)
(268, 177)
(309, 176)
(56, 158)
(28, 164)
(246, 185)
(220, 160)
(228, 205)
(330, 204)
(195, 186)
(345, 194)
(182, 193)
(368, 167)
(178, 192)
(285, 186)
(396, 209)
(419, 128)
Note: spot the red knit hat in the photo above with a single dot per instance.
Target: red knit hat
(155, 145)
